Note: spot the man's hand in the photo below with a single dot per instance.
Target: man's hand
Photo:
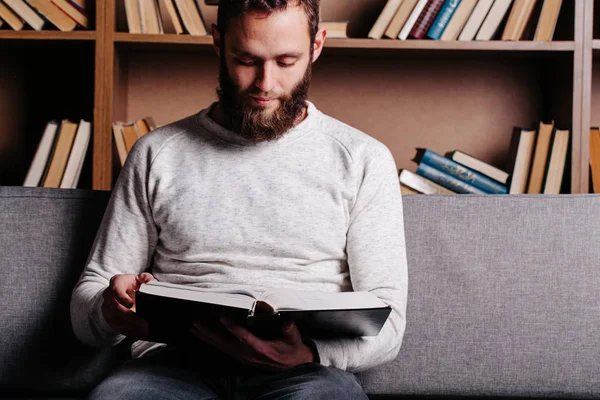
(279, 354)
(118, 307)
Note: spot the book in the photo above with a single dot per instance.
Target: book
(405, 190)
(406, 8)
(517, 19)
(117, 128)
(11, 18)
(75, 10)
(443, 18)
(544, 31)
(480, 166)
(54, 14)
(149, 17)
(66, 136)
(335, 29)
(475, 20)
(191, 17)
(170, 18)
(42, 155)
(540, 157)
(130, 134)
(26, 13)
(132, 12)
(412, 19)
(170, 310)
(557, 160)
(519, 158)
(459, 171)
(421, 184)
(446, 180)
(384, 19)
(595, 158)
(458, 20)
(74, 166)
(426, 19)
(494, 18)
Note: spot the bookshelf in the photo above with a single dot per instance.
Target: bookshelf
(439, 95)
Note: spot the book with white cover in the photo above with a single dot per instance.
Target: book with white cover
(475, 20)
(72, 173)
(38, 165)
(421, 184)
(412, 19)
(27, 13)
(492, 21)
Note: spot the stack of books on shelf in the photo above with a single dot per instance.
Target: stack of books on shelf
(467, 20)
(59, 157)
(127, 133)
(165, 16)
(65, 15)
(536, 164)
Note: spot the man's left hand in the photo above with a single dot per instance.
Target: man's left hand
(279, 354)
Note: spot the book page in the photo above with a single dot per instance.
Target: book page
(303, 300)
(226, 297)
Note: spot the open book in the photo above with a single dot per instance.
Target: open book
(170, 309)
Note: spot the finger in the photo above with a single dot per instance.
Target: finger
(243, 334)
(290, 332)
(146, 277)
(121, 289)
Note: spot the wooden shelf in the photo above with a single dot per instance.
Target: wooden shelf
(369, 44)
(48, 35)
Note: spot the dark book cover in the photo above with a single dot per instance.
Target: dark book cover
(426, 19)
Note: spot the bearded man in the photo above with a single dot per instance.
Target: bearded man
(258, 190)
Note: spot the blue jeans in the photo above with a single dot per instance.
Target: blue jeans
(173, 374)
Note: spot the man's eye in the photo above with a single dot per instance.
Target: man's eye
(285, 65)
(246, 63)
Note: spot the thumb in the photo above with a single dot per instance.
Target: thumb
(290, 331)
(146, 277)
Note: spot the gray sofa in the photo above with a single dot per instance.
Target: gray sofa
(504, 297)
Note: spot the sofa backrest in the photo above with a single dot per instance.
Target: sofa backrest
(504, 298)
(45, 238)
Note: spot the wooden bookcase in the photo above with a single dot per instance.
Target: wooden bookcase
(408, 94)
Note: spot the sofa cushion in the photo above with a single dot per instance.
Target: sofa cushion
(45, 238)
(504, 298)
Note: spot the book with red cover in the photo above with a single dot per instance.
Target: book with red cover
(426, 19)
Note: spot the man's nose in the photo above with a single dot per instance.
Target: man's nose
(265, 80)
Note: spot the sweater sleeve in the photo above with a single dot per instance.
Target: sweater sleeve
(124, 244)
(377, 263)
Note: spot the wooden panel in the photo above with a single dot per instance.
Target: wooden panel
(470, 104)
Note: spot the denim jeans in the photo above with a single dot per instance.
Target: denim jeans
(202, 374)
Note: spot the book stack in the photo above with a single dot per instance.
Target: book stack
(467, 20)
(65, 15)
(127, 133)
(59, 157)
(536, 164)
(335, 29)
(165, 16)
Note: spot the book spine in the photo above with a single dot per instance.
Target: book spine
(426, 18)
(463, 173)
(447, 181)
(443, 18)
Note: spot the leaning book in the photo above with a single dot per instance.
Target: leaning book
(171, 309)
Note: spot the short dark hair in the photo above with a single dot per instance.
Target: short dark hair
(235, 8)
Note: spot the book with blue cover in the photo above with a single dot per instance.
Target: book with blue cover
(446, 180)
(460, 172)
(442, 19)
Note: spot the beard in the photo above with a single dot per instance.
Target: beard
(257, 123)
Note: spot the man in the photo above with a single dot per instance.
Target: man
(259, 190)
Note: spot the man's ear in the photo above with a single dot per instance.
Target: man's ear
(319, 42)
(216, 39)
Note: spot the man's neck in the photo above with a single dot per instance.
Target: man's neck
(217, 114)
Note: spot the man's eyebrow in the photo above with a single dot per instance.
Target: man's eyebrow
(242, 53)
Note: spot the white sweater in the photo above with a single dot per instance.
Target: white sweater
(318, 209)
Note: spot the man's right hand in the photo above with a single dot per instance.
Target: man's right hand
(118, 307)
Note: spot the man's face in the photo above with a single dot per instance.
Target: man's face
(265, 72)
